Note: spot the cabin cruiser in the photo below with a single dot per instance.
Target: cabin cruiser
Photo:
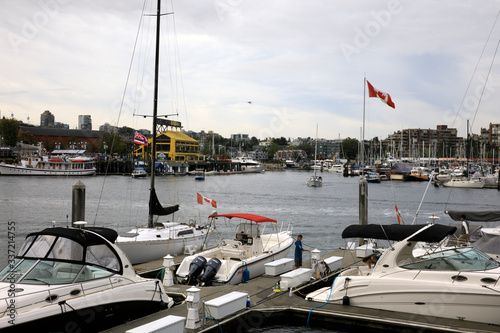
(248, 165)
(240, 258)
(74, 279)
(460, 282)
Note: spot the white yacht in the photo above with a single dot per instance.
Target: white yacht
(248, 165)
(459, 283)
(75, 277)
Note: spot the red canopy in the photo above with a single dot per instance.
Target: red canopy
(250, 217)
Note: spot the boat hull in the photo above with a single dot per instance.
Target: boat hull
(90, 319)
(140, 251)
(444, 300)
(464, 184)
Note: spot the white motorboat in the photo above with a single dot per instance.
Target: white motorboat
(156, 240)
(74, 279)
(459, 283)
(336, 168)
(240, 258)
(248, 165)
(139, 173)
(55, 165)
(464, 183)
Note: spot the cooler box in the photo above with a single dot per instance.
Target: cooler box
(295, 277)
(279, 266)
(168, 324)
(225, 305)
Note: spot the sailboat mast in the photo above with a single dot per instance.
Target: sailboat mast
(155, 109)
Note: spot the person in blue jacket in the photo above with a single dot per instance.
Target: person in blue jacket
(298, 252)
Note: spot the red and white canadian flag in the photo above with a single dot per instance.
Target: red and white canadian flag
(202, 199)
(385, 97)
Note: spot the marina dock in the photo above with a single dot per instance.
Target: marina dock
(269, 307)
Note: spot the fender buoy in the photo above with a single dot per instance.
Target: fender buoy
(346, 300)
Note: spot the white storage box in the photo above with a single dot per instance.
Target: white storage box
(333, 262)
(225, 305)
(279, 266)
(295, 277)
(364, 250)
(170, 324)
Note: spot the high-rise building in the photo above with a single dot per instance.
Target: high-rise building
(85, 122)
(47, 119)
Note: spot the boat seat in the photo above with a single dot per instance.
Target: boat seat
(233, 253)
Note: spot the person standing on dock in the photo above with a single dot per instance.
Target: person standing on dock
(298, 252)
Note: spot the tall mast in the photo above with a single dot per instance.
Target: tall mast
(155, 109)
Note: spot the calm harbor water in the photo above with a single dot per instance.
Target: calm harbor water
(320, 214)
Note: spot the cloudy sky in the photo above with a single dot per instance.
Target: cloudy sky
(299, 63)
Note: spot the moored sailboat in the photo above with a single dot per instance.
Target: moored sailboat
(156, 240)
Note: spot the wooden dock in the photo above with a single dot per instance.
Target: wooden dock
(282, 308)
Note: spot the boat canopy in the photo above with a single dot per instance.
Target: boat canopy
(87, 246)
(398, 232)
(480, 216)
(402, 167)
(250, 217)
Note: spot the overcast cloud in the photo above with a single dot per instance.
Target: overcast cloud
(299, 63)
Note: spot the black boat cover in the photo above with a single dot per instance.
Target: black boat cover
(155, 207)
(397, 232)
(482, 216)
(80, 235)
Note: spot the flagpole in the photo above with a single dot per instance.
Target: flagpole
(363, 134)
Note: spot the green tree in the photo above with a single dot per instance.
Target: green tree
(9, 129)
(273, 148)
(28, 137)
(350, 148)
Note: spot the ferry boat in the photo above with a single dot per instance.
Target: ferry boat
(71, 164)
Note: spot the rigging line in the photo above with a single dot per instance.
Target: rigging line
(180, 67)
(484, 86)
(119, 114)
(421, 201)
(475, 69)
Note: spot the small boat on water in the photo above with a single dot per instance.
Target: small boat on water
(372, 177)
(244, 255)
(139, 173)
(77, 277)
(417, 174)
(459, 283)
(199, 174)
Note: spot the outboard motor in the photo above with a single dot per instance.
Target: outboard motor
(211, 269)
(195, 268)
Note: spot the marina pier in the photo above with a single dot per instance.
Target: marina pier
(270, 308)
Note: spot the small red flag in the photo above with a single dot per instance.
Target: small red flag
(398, 215)
(385, 97)
(201, 198)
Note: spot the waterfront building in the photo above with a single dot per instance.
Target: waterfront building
(172, 146)
(85, 122)
(47, 119)
(292, 154)
(417, 142)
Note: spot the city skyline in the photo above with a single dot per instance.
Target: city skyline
(270, 68)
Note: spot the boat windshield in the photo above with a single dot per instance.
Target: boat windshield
(458, 259)
(50, 259)
(251, 229)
